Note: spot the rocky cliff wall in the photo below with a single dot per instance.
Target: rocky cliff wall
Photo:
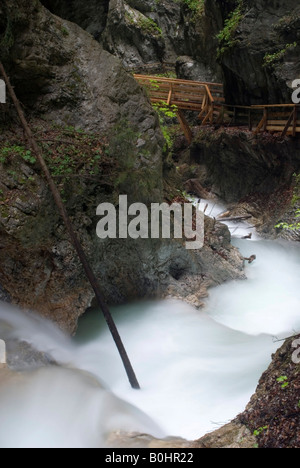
(251, 46)
(66, 81)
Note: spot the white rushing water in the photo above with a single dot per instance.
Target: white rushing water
(197, 369)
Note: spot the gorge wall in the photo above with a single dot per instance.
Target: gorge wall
(67, 81)
(251, 46)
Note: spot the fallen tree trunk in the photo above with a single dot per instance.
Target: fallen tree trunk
(74, 239)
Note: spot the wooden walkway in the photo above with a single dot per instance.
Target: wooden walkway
(204, 98)
(208, 100)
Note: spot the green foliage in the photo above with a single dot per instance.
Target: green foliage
(197, 6)
(65, 31)
(260, 430)
(294, 204)
(271, 59)
(283, 380)
(167, 74)
(147, 25)
(80, 154)
(123, 147)
(290, 227)
(226, 37)
(9, 152)
(166, 114)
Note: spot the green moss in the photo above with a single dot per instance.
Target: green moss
(147, 25)
(4, 211)
(197, 6)
(270, 60)
(226, 37)
(64, 31)
(166, 114)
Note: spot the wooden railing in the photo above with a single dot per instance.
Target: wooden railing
(208, 100)
(283, 119)
(183, 95)
(279, 118)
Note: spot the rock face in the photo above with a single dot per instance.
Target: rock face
(145, 32)
(261, 56)
(137, 31)
(232, 435)
(253, 174)
(263, 164)
(63, 75)
(257, 58)
(273, 411)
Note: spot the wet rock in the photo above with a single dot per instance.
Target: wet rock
(4, 296)
(262, 30)
(232, 435)
(86, 87)
(194, 187)
(273, 412)
(135, 440)
(263, 164)
(22, 357)
(189, 69)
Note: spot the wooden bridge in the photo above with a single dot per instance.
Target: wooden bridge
(208, 100)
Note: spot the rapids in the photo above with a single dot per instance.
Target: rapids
(197, 369)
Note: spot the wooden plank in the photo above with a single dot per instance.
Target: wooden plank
(279, 115)
(278, 129)
(279, 122)
(185, 126)
(183, 89)
(190, 88)
(191, 96)
(269, 106)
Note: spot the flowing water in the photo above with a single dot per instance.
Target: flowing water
(197, 369)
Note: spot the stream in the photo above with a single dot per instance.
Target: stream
(197, 369)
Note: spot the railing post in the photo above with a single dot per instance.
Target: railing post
(265, 119)
(185, 126)
(250, 120)
(295, 120)
(170, 95)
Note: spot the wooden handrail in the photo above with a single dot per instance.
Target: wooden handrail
(176, 80)
(208, 99)
(262, 106)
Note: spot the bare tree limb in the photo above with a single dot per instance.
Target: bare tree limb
(75, 241)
